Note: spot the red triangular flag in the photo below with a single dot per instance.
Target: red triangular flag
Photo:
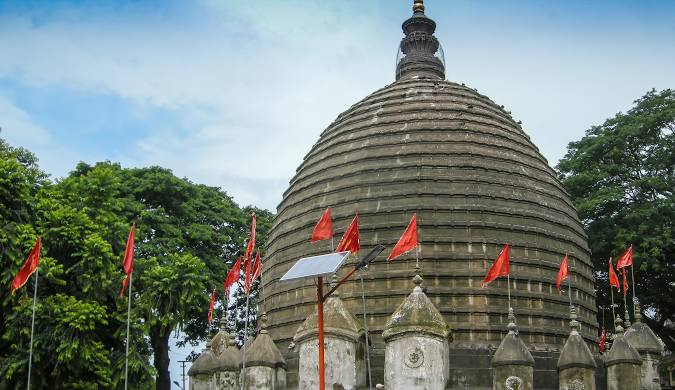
(500, 267)
(350, 240)
(613, 279)
(324, 228)
(232, 276)
(251, 242)
(248, 269)
(211, 305)
(603, 338)
(626, 259)
(29, 266)
(563, 272)
(128, 262)
(257, 269)
(625, 282)
(407, 241)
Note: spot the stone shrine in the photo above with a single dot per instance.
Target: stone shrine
(476, 181)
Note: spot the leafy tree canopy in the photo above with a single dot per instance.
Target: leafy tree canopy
(620, 175)
(187, 237)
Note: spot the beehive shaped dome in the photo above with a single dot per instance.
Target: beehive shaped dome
(476, 181)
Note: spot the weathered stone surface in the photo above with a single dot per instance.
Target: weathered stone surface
(201, 370)
(228, 362)
(343, 337)
(576, 365)
(265, 366)
(475, 180)
(623, 363)
(650, 348)
(512, 363)
(416, 345)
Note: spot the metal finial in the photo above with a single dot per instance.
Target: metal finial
(417, 279)
(617, 325)
(263, 323)
(574, 324)
(626, 321)
(636, 309)
(512, 327)
(418, 7)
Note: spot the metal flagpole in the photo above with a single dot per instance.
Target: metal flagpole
(632, 276)
(126, 356)
(417, 256)
(569, 282)
(365, 325)
(508, 285)
(32, 327)
(243, 359)
(613, 313)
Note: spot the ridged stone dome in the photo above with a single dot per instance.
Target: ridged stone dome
(476, 181)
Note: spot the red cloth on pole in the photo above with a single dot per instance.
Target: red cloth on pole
(251, 242)
(603, 338)
(257, 268)
(626, 259)
(625, 282)
(350, 240)
(29, 266)
(232, 276)
(324, 228)
(613, 279)
(563, 272)
(500, 267)
(407, 241)
(128, 262)
(212, 304)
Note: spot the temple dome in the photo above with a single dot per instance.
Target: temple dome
(476, 181)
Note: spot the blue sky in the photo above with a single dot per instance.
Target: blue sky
(234, 93)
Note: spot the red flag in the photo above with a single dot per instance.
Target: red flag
(350, 240)
(211, 304)
(29, 266)
(407, 241)
(500, 267)
(563, 272)
(251, 242)
(324, 228)
(603, 338)
(626, 259)
(128, 262)
(257, 269)
(625, 282)
(232, 276)
(613, 279)
(248, 269)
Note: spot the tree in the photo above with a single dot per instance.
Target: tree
(620, 176)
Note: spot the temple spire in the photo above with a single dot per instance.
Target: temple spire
(420, 52)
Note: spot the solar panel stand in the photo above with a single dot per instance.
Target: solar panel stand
(321, 298)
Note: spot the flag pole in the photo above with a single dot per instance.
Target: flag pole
(569, 280)
(417, 256)
(365, 325)
(508, 285)
(32, 327)
(611, 290)
(126, 355)
(243, 359)
(632, 276)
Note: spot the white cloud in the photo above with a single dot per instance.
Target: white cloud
(18, 127)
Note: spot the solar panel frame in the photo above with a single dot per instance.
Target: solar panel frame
(315, 266)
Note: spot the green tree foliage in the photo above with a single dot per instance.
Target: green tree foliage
(620, 175)
(187, 237)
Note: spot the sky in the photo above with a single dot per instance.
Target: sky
(234, 93)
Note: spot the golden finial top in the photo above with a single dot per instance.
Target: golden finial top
(418, 6)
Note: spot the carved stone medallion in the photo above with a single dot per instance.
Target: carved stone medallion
(414, 358)
(513, 383)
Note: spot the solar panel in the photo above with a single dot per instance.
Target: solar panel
(311, 267)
